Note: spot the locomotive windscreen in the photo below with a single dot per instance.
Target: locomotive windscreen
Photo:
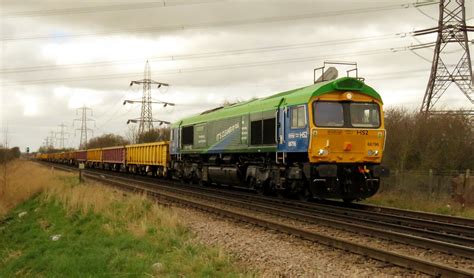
(328, 114)
(364, 114)
(346, 114)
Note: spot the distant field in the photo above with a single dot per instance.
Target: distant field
(89, 230)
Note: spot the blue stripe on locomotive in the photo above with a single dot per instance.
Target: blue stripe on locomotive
(222, 145)
(294, 139)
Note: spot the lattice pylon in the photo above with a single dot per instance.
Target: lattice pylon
(452, 31)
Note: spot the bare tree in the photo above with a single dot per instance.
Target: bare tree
(4, 163)
(107, 140)
(132, 134)
(155, 135)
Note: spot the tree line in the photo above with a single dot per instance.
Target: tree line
(112, 140)
(8, 154)
(414, 141)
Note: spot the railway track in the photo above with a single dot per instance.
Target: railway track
(447, 240)
(407, 213)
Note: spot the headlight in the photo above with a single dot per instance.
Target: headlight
(322, 152)
(372, 153)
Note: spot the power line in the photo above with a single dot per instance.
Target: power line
(208, 54)
(424, 13)
(212, 68)
(105, 8)
(338, 13)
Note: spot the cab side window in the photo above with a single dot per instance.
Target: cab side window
(298, 117)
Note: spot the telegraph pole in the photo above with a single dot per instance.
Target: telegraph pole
(452, 41)
(146, 118)
(62, 135)
(84, 129)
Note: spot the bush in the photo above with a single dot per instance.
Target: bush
(107, 140)
(9, 154)
(416, 141)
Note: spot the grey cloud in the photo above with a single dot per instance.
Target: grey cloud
(232, 76)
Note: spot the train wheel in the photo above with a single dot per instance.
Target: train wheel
(202, 183)
(348, 200)
(263, 188)
(304, 195)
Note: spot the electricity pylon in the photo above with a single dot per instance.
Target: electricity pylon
(146, 117)
(62, 135)
(452, 31)
(84, 129)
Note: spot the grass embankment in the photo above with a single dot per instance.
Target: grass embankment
(421, 202)
(99, 232)
(22, 180)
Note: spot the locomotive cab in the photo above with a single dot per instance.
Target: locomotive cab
(347, 139)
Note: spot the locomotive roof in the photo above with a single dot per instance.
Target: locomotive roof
(292, 97)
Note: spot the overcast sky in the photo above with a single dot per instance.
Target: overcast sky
(58, 55)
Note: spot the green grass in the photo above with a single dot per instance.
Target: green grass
(88, 249)
(419, 202)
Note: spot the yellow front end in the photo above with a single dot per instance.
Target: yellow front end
(341, 141)
(347, 138)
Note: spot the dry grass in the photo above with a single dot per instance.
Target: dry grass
(137, 213)
(23, 180)
(106, 232)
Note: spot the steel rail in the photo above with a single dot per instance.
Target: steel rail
(439, 234)
(411, 213)
(455, 225)
(435, 236)
(339, 222)
(409, 262)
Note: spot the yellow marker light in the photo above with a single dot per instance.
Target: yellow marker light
(349, 96)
